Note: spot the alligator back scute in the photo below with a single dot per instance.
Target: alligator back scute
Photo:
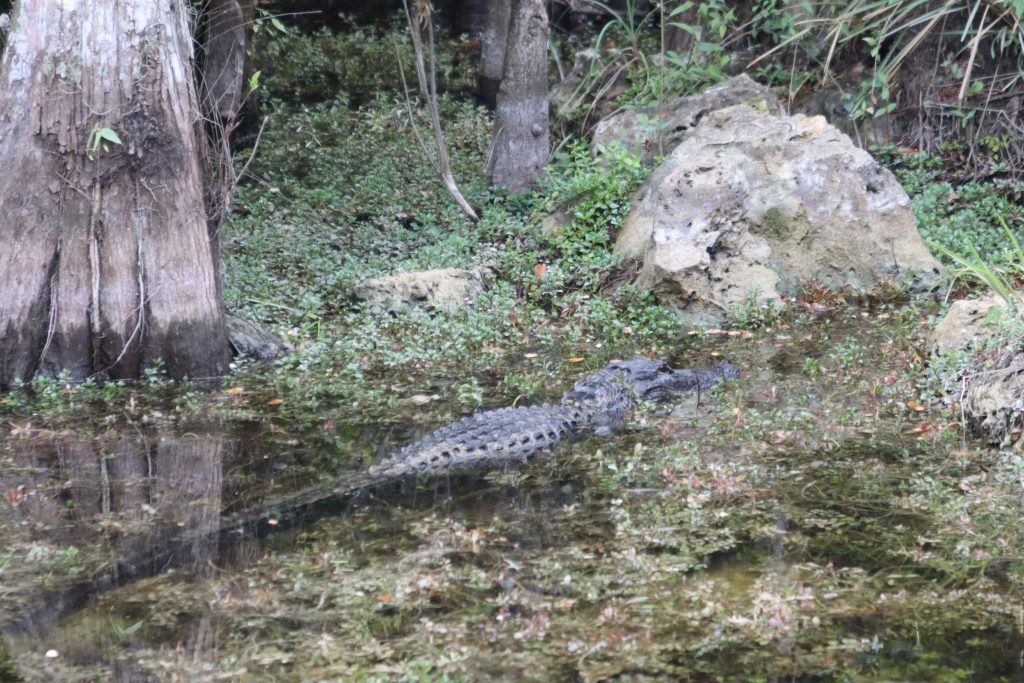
(603, 400)
(489, 437)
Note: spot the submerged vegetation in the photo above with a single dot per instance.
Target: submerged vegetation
(826, 517)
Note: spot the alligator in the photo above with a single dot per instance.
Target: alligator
(598, 404)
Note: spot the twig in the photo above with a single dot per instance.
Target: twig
(412, 116)
(428, 89)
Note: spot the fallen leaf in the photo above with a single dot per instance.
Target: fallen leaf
(539, 270)
(385, 597)
(235, 390)
(275, 401)
(924, 428)
(576, 360)
(14, 496)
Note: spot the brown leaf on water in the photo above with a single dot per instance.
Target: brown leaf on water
(14, 496)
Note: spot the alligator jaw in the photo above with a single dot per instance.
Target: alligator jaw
(666, 384)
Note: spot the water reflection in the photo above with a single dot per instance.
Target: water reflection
(500, 558)
(83, 516)
(189, 510)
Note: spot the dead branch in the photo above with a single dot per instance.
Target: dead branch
(419, 18)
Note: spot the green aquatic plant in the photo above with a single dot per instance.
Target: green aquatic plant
(1004, 281)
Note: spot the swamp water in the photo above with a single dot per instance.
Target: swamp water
(817, 520)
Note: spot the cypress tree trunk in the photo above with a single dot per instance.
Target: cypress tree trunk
(521, 125)
(492, 55)
(107, 263)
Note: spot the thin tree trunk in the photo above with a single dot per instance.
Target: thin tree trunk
(492, 50)
(224, 57)
(107, 264)
(227, 29)
(676, 39)
(521, 146)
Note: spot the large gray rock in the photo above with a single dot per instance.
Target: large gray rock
(752, 203)
(445, 289)
(657, 130)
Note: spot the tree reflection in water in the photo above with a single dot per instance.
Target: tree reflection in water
(84, 516)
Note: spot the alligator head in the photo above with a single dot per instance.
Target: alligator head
(654, 380)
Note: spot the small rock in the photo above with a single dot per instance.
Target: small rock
(254, 342)
(445, 289)
(966, 320)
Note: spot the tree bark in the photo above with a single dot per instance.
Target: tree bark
(107, 264)
(492, 50)
(521, 128)
(224, 57)
(227, 29)
(676, 39)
